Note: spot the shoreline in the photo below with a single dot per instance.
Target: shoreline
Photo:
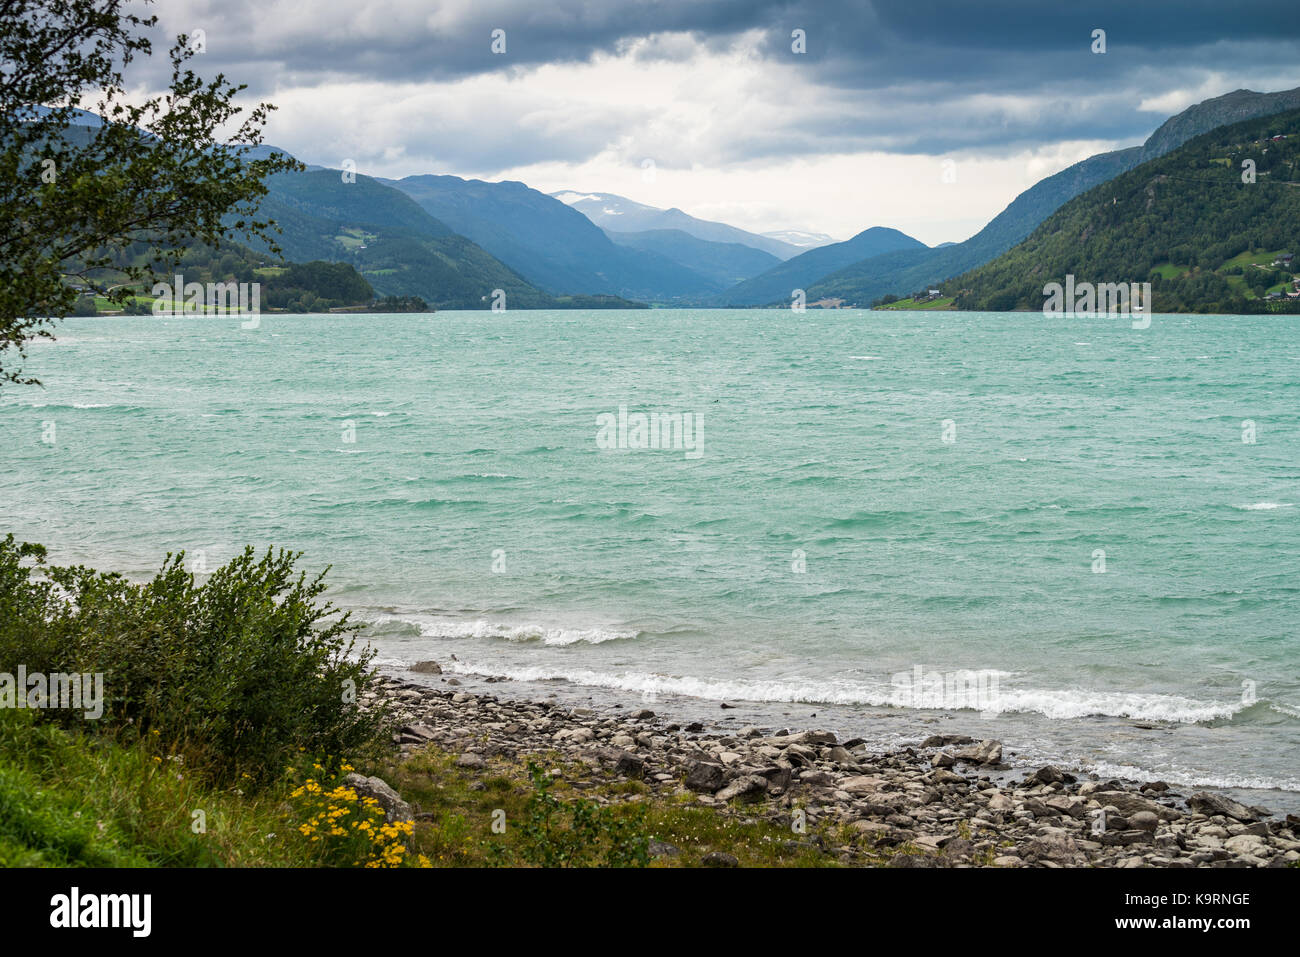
(948, 800)
(1033, 738)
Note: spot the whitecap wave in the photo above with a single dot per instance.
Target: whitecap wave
(1057, 704)
(543, 634)
(1189, 777)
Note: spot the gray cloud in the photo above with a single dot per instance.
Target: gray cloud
(912, 76)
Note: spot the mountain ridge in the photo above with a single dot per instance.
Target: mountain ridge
(620, 214)
(865, 281)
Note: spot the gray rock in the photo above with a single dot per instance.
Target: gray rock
(1246, 844)
(1001, 802)
(820, 779)
(1212, 804)
(1050, 774)
(421, 732)
(747, 788)
(1054, 844)
(1129, 804)
(777, 777)
(630, 765)
(944, 740)
(1144, 821)
(663, 849)
(958, 849)
(395, 809)
(427, 668)
(704, 776)
(804, 738)
(720, 859)
(986, 752)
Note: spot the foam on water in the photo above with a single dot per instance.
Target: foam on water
(1057, 703)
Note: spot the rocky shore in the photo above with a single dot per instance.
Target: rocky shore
(944, 802)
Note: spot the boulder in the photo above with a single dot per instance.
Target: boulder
(944, 740)
(427, 668)
(747, 788)
(1212, 804)
(1246, 844)
(663, 849)
(630, 765)
(704, 776)
(1050, 774)
(1144, 821)
(395, 809)
(986, 752)
(720, 859)
(1001, 802)
(1129, 804)
(1055, 845)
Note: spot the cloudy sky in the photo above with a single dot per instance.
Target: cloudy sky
(707, 105)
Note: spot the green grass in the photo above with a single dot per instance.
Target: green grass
(352, 238)
(1170, 271)
(82, 799)
(79, 800)
(456, 806)
(943, 302)
(1256, 257)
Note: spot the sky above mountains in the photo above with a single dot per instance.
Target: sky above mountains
(929, 117)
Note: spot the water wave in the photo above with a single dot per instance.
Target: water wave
(543, 634)
(1057, 704)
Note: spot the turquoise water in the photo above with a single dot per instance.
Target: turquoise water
(825, 539)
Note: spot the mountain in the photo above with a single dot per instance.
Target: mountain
(724, 263)
(1232, 107)
(554, 246)
(906, 272)
(1185, 222)
(401, 249)
(396, 245)
(901, 274)
(622, 215)
(803, 270)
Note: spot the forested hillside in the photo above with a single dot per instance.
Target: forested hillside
(1187, 222)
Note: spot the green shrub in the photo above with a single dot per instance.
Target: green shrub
(580, 833)
(242, 672)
